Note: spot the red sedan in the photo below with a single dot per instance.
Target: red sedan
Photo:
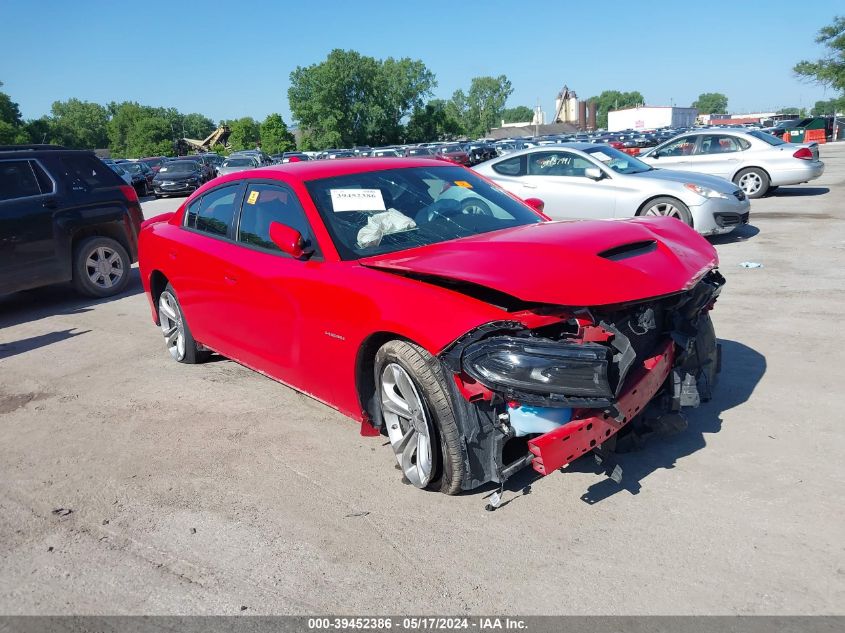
(429, 305)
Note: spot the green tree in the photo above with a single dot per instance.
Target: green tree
(9, 111)
(79, 124)
(801, 112)
(711, 103)
(614, 100)
(12, 131)
(135, 130)
(245, 133)
(433, 122)
(275, 137)
(830, 106)
(352, 99)
(485, 103)
(401, 86)
(518, 114)
(39, 130)
(333, 100)
(829, 70)
(197, 126)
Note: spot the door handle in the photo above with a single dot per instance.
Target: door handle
(230, 278)
(49, 204)
(529, 186)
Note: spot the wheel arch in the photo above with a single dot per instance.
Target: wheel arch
(741, 169)
(158, 282)
(365, 382)
(111, 230)
(645, 202)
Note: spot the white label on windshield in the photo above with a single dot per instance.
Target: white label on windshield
(163, 169)
(602, 157)
(357, 200)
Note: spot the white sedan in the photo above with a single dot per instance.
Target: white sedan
(756, 161)
(592, 180)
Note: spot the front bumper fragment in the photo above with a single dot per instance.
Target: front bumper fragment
(558, 448)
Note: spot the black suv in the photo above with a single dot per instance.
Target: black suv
(65, 216)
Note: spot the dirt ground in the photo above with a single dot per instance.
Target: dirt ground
(130, 484)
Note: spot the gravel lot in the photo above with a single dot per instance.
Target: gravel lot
(205, 489)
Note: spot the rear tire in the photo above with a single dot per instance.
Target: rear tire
(409, 377)
(177, 335)
(667, 206)
(101, 267)
(753, 181)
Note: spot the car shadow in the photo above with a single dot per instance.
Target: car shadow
(786, 192)
(32, 305)
(742, 370)
(741, 233)
(7, 350)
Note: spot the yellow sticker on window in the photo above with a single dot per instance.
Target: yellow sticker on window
(252, 198)
(463, 183)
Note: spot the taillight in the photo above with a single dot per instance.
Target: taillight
(803, 153)
(129, 193)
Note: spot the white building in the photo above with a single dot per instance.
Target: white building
(650, 117)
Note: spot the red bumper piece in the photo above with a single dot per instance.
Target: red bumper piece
(558, 448)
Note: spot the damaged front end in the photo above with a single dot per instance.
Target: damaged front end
(556, 383)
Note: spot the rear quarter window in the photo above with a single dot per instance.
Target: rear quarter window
(84, 173)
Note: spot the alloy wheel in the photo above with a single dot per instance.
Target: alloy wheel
(172, 325)
(408, 424)
(665, 209)
(104, 267)
(750, 183)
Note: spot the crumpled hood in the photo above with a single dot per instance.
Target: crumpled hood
(722, 185)
(570, 263)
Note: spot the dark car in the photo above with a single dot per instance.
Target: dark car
(216, 160)
(479, 152)
(65, 216)
(178, 177)
(420, 152)
(142, 176)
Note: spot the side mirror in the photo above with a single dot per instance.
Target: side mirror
(593, 173)
(289, 240)
(536, 204)
(654, 154)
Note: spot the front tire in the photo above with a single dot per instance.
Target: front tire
(667, 206)
(418, 416)
(177, 335)
(753, 181)
(101, 267)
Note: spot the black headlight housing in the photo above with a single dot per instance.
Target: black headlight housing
(562, 369)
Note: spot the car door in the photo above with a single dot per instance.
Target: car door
(28, 247)
(274, 294)
(718, 154)
(199, 265)
(558, 177)
(674, 154)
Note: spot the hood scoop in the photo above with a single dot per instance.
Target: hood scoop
(624, 251)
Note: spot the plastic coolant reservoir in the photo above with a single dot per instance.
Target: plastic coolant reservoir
(529, 420)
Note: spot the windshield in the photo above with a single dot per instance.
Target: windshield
(771, 139)
(239, 162)
(133, 168)
(180, 167)
(620, 162)
(393, 210)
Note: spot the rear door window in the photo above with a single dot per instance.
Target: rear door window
(18, 180)
(510, 166)
(264, 204)
(215, 211)
(84, 172)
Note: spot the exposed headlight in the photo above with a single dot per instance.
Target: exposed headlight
(705, 192)
(540, 366)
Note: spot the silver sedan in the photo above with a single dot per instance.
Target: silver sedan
(591, 180)
(237, 163)
(756, 161)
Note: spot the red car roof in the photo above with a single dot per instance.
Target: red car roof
(315, 169)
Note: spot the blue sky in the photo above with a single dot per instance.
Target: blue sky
(228, 59)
